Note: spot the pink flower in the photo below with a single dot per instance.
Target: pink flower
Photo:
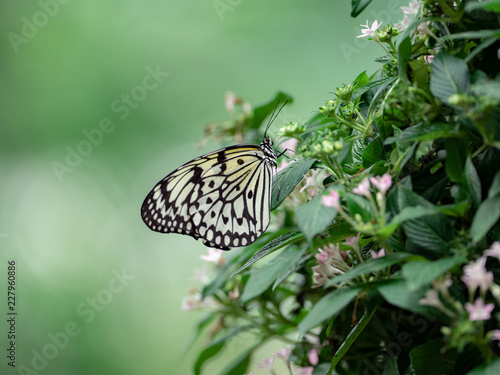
(353, 242)
(330, 264)
(376, 255)
(370, 31)
(303, 370)
(195, 302)
(382, 183)
(478, 310)
(404, 23)
(313, 357)
(283, 353)
(475, 275)
(363, 188)
(267, 364)
(332, 199)
(423, 29)
(496, 336)
(213, 256)
(494, 250)
(431, 299)
(311, 180)
(413, 7)
(428, 58)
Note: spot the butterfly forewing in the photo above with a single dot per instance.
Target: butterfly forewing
(222, 197)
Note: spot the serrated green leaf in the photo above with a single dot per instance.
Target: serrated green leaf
(371, 265)
(430, 232)
(276, 244)
(486, 216)
(205, 355)
(314, 218)
(263, 277)
(329, 305)
(428, 359)
(286, 180)
(418, 273)
(449, 76)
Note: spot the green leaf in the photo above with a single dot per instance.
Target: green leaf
(371, 265)
(408, 213)
(428, 359)
(276, 244)
(425, 132)
(495, 186)
(449, 76)
(353, 335)
(486, 216)
(418, 273)
(286, 180)
(260, 113)
(313, 217)
(240, 364)
(205, 355)
(326, 307)
(202, 324)
(493, 5)
(492, 368)
(372, 153)
(456, 153)
(357, 6)
(263, 277)
(359, 205)
(430, 232)
(471, 182)
(397, 293)
(404, 53)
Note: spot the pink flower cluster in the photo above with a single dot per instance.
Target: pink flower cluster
(330, 263)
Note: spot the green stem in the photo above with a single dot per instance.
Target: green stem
(353, 335)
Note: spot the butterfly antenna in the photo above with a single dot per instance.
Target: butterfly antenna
(273, 116)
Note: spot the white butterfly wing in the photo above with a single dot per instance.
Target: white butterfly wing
(223, 197)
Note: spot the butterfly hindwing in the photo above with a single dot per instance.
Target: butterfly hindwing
(222, 197)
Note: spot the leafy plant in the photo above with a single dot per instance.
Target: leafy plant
(385, 257)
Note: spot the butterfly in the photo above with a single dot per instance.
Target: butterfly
(222, 198)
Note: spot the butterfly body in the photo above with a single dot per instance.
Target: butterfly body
(223, 197)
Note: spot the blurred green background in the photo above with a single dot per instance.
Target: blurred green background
(140, 80)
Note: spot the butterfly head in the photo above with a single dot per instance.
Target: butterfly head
(267, 147)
